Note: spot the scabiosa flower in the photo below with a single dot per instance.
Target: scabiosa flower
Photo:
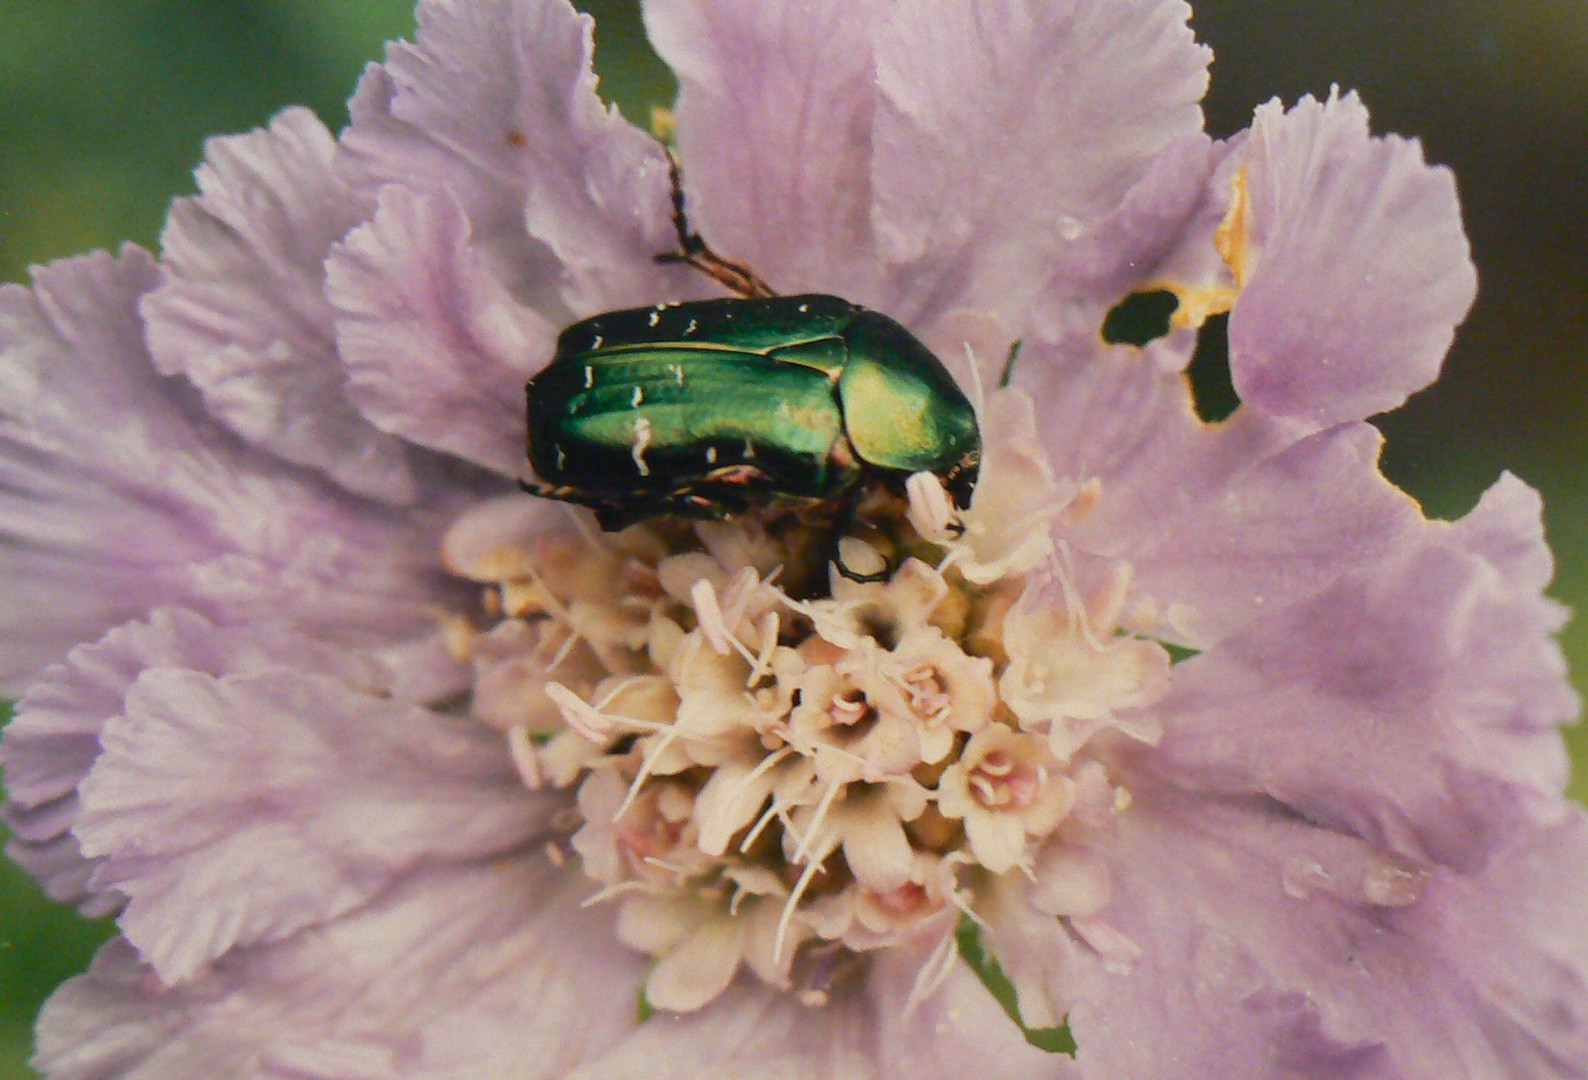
(1194, 741)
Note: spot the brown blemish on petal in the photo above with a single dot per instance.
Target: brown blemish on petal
(1233, 239)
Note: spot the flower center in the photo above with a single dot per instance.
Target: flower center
(998, 781)
(763, 780)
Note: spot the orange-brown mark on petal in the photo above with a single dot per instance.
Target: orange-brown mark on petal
(1233, 239)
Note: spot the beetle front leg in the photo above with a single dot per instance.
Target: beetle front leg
(693, 250)
(847, 512)
(542, 489)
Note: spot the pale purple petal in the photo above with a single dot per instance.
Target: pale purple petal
(1359, 270)
(1007, 126)
(774, 110)
(495, 103)
(120, 496)
(959, 1031)
(1273, 948)
(1511, 948)
(1506, 529)
(241, 310)
(1140, 246)
(1414, 703)
(458, 974)
(598, 194)
(1219, 522)
(752, 1032)
(54, 739)
(238, 810)
(436, 349)
(1282, 529)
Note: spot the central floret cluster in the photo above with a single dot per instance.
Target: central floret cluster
(781, 767)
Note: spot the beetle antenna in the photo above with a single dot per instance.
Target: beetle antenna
(693, 250)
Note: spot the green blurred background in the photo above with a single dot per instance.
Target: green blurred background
(104, 105)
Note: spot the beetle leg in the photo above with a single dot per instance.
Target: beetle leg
(543, 489)
(692, 249)
(841, 522)
(856, 576)
(737, 474)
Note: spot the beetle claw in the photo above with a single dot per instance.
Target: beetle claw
(856, 576)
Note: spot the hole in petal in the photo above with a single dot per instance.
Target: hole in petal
(1212, 389)
(1140, 318)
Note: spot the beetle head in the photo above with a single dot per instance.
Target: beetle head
(960, 478)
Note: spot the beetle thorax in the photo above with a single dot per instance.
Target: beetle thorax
(783, 773)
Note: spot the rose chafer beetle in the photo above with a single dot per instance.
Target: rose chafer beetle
(711, 408)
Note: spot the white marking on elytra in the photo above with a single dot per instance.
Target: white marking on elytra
(562, 458)
(596, 343)
(639, 397)
(589, 376)
(678, 373)
(711, 455)
(691, 328)
(656, 316)
(804, 308)
(749, 450)
(642, 441)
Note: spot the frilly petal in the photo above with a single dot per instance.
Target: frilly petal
(241, 310)
(495, 103)
(54, 739)
(774, 125)
(1414, 703)
(1273, 948)
(239, 810)
(1353, 266)
(1219, 522)
(1006, 126)
(436, 349)
(120, 497)
(460, 973)
(1277, 533)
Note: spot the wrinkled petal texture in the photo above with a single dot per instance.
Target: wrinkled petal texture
(1413, 703)
(1278, 949)
(461, 972)
(774, 112)
(54, 738)
(436, 350)
(242, 313)
(1219, 522)
(1359, 269)
(241, 809)
(495, 103)
(1006, 126)
(120, 496)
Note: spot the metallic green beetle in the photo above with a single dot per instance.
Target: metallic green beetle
(710, 408)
